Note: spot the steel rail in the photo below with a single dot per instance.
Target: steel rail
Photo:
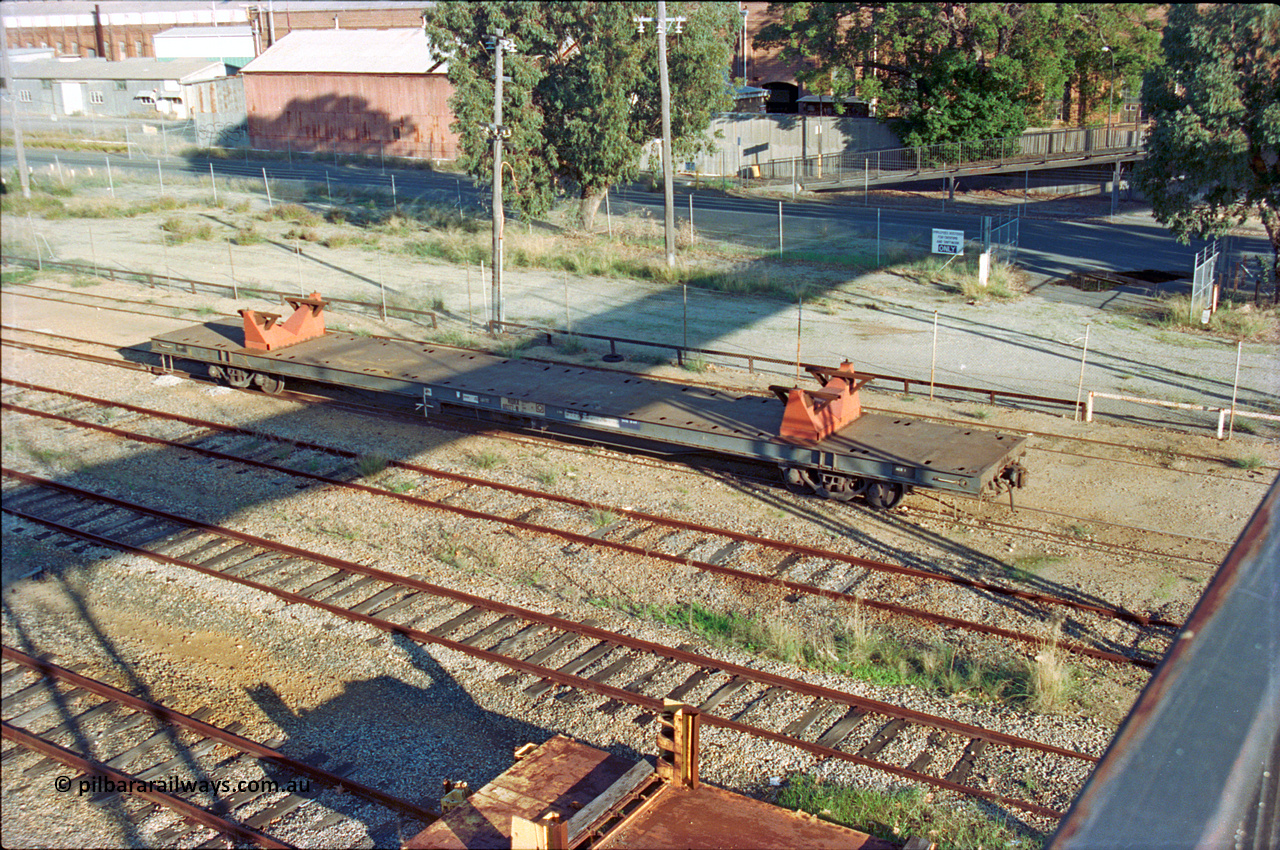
(188, 811)
(650, 704)
(493, 606)
(207, 730)
(587, 540)
(671, 522)
(691, 382)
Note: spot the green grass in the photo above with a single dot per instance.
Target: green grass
(371, 464)
(1025, 567)
(486, 459)
(1080, 532)
(855, 651)
(895, 815)
(1249, 462)
(695, 364)
(651, 358)
(401, 486)
(570, 344)
(546, 477)
(600, 518)
(247, 235)
(1234, 319)
(296, 213)
(18, 277)
(179, 230)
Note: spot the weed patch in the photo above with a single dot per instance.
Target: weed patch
(486, 459)
(896, 814)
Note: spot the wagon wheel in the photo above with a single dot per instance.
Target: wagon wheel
(797, 480)
(215, 372)
(884, 494)
(239, 378)
(270, 384)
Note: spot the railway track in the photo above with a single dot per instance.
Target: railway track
(1095, 630)
(219, 783)
(549, 657)
(976, 515)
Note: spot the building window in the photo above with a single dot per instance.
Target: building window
(122, 85)
(48, 84)
(24, 96)
(137, 48)
(96, 97)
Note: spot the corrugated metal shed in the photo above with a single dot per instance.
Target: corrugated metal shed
(394, 51)
(126, 69)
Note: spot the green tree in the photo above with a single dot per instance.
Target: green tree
(583, 101)
(1213, 155)
(958, 71)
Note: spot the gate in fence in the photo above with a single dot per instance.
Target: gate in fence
(1000, 237)
(1202, 283)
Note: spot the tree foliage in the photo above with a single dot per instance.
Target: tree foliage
(1213, 156)
(583, 100)
(953, 71)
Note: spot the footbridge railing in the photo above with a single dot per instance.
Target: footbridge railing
(1048, 149)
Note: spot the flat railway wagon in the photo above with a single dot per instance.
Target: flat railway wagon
(820, 439)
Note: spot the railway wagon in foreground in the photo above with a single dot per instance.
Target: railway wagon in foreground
(820, 438)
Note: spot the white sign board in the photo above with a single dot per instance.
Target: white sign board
(948, 241)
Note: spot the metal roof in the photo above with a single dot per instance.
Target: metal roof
(226, 31)
(391, 51)
(125, 69)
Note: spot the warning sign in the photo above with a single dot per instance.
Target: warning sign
(948, 241)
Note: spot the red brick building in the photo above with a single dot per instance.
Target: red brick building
(351, 91)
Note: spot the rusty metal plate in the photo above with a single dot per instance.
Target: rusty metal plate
(560, 776)
(709, 817)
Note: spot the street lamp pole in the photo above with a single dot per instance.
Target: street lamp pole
(1111, 89)
(499, 132)
(668, 179)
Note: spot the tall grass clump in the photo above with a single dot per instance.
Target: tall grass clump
(1235, 319)
(900, 813)
(1050, 675)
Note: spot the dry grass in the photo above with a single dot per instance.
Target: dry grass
(1051, 676)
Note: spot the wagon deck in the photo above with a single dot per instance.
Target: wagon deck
(890, 448)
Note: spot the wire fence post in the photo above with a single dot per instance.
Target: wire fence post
(470, 312)
(394, 204)
(213, 181)
(933, 361)
(382, 287)
(93, 252)
(608, 213)
(1235, 386)
(35, 240)
(779, 228)
(297, 256)
(1084, 350)
(267, 186)
(799, 324)
(110, 183)
(877, 237)
(160, 171)
(235, 289)
(684, 290)
(328, 187)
